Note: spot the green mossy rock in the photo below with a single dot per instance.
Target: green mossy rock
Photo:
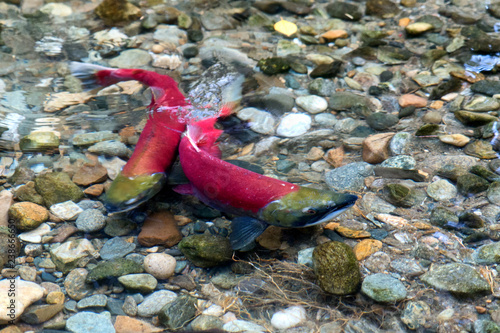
(206, 250)
(441, 217)
(336, 268)
(400, 195)
(178, 313)
(113, 268)
(471, 184)
(39, 141)
(56, 187)
(275, 65)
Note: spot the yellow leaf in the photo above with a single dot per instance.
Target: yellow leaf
(285, 27)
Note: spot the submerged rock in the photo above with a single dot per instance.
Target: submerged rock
(458, 279)
(206, 250)
(383, 288)
(336, 268)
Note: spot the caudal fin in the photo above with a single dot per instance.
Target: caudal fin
(91, 75)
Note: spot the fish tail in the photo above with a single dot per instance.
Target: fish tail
(202, 135)
(91, 75)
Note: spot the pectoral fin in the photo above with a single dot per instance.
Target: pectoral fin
(244, 231)
(184, 189)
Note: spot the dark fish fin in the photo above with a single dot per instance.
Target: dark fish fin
(185, 189)
(244, 231)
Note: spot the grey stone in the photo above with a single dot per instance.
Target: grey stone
(93, 301)
(459, 279)
(153, 304)
(116, 247)
(90, 220)
(383, 288)
(89, 322)
(349, 177)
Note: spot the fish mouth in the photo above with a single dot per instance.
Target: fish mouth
(336, 209)
(127, 193)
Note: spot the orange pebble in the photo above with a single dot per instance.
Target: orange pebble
(404, 22)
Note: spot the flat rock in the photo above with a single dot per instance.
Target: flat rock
(90, 322)
(159, 228)
(26, 294)
(458, 279)
(67, 210)
(153, 303)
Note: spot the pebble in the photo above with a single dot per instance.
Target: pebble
(179, 312)
(487, 254)
(304, 257)
(349, 177)
(113, 268)
(56, 187)
(75, 284)
(260, 121)
(159, 228)
(289, 317)
(26, 294)
(206, 250)
(67, 255)
(336, 268)
(407, 266)
(144, 283)
(239, 325)
(294, 124)
(67, 210)
(90, 220)
(116, 247)
(206, 322)
(27, 215)
(127, 324)
(415, 314)
(88, 322)
(458, 140)
(92, 301)
(383, 288)
(110, 148)
(457, 278)
(442, 190)
(160, 265)
(132, 58)
(412, 100)
(312, 103)
(366, 247)
(376, 147)
(153, 303)
(35, 235)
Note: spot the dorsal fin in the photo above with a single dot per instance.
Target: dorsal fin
(202, 135)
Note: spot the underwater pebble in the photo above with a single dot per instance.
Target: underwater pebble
(67, 210)
(90, 220)
(89, 322)
(294, 124)
(441, 190)
(260, 121)
(312, 103)
(160, 265)
(383, 288)
(289, 317)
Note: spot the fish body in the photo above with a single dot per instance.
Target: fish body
(145, 172)
(258, 200)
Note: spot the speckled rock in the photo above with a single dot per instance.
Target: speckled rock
(206, 250)
(56, 187)
(179, 312)
(144, 283)
(68, 255)
(27, 215)
(383, 288)
(90, 220)
(153, 303)
(336, 268)
(89, 322)
(458, 279)
(441, 190)
(115, 267)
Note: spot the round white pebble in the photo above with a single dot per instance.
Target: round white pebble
(312, 103)
(294, 124)
(289, 317)
(160, 265)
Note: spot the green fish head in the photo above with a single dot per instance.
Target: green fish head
(126, 193)
(306, 207)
